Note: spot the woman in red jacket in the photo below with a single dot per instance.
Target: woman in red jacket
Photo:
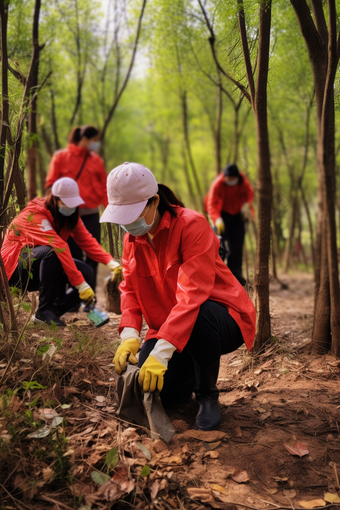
(37, 257)
(173, 276)
(228, 194)
(80, 162)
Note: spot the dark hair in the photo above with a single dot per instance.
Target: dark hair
(78, 133)
(231, 170)
(60, 221)
(167, 200)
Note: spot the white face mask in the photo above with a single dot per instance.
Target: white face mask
(94, 146)
(233, 182)
(139, 227)
(66, 211)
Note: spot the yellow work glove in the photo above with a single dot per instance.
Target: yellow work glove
(117, 271)
(86, 294)
(117, 274)
(151, 375)
(219, 224)
(125, 353)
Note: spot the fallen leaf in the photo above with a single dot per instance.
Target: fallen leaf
(205, 435)
(240, 476)
(212, 454)
(66, 406)
(50, 351)
(203, 495)
(312, 503)
(43, 432)
(331, 498)
(154, 489)
(298, 449)
(49, 413)
(174, 459)
(213, 446)
(58, 420)
(144, 450)
(48, 474)
(100, 398)
(280, 478)
(289, 493)
(99, 477)
(218, 488)
(129, 434)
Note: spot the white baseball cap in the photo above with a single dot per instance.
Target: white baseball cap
(68, 191)
(129, 187)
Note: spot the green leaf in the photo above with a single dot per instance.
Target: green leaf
(99, 477)
(145, 471)
(29, 217)
(144, 450)
(42, 349)
(112, 458)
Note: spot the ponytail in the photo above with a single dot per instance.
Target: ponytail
(78, 133)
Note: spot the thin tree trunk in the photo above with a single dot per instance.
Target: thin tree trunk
(218, 128)
(264, 186)
(31, 154)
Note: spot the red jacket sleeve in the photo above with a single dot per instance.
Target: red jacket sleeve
(89, 244)
(36, 229)
(53, 171)
(215, 200)
(196, 279)
(131, 312)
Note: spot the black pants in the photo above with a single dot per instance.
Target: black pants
(215, 333)
(91, 222)
(46, 275)
(234, 235)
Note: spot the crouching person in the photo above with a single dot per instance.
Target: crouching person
(37, 257)
(195, 308)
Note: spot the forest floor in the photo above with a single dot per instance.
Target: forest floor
(278, 445)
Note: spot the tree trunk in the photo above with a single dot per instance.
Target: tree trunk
(31, 155)
(264, 183)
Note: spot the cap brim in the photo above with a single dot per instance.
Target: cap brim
(73, 201)
(122, 214)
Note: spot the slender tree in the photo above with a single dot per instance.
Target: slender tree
(323, 45)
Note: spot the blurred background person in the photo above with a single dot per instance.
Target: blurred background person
(81, 162)
(227, 203)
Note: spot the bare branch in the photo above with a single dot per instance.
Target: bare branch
(213, 51)
(246, 53)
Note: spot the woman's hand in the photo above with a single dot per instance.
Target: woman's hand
(151, 375)
(117, 271)
(125, 353)
(86, 294)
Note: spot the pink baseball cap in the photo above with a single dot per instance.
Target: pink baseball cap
(129, 187)
(68, 191)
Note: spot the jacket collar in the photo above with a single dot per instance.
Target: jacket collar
(75, 149)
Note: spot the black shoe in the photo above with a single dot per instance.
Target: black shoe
(209, 414)
(47, 317)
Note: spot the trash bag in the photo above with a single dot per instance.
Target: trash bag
(143, 409)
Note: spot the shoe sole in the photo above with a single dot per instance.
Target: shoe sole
(39, 321)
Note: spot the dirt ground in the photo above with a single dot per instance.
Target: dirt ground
(277, 447)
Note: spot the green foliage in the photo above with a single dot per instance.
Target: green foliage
(112, 458)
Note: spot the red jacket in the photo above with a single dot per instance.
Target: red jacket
(92, 180)
(229, 199)
(169, 282)
(34, 226)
